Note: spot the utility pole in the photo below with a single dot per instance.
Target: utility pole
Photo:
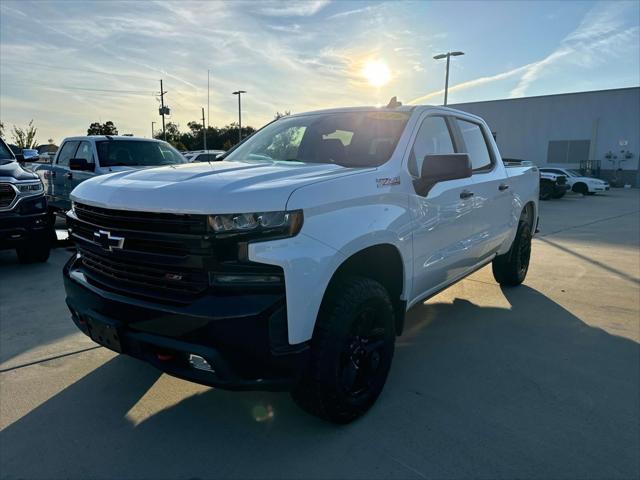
(162, 111)
(152, 132)
(448, 56)
(239, 93)
(207, 98)
(204, 131)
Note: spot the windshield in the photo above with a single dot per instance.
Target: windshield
(350, 139)
(574, 173)
(130, 153)
(5, 154)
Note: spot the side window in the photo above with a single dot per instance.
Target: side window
(67, 151)
(476, 145)
(433, 138)
(84, 151)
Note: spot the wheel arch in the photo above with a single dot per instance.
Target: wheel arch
(382, 263)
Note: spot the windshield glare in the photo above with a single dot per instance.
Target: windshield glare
(116, 153)
(350, 139)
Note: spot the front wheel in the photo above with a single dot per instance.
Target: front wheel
(351, 351)
(546, 190)
(511, 268)
(34, 250)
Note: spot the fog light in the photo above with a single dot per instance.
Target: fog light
(199, 363)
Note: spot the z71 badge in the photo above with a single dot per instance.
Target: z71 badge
(383, 182)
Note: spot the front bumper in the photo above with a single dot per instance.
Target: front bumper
(23, 222)
(561, 188)
(243, 337)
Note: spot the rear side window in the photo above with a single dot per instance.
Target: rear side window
(476, 145)
(67, 151)
(433, 138)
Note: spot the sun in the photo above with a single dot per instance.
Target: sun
(376, 72)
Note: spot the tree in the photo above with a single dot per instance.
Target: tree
(1, 130)
(25, 137)
(283, 114)
(107, 128)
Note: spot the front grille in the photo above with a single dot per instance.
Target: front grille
(142, 221)
(7, 195)
(562, 180)
(143, 280)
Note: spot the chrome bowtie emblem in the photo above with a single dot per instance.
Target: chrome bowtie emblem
(107, 241)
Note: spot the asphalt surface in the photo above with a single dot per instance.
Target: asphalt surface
(538, 381)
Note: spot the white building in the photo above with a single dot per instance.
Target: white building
(597, 131)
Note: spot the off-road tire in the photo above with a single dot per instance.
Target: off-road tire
(546, 190)
(34, 250)
(328, 389)
(511, 268)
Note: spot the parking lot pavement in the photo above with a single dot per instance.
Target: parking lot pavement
(535, 381)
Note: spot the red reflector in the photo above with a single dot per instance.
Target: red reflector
(164, 357)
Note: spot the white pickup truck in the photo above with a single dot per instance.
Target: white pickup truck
(291, 263)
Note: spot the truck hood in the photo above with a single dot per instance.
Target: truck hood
(206, 188)
(14, 170)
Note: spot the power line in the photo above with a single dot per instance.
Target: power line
(74, 87)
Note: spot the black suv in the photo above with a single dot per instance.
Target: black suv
(23, 210)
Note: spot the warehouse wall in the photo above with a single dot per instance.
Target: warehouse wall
(525, 126)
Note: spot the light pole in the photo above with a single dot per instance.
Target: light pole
(152, 131)
(239, 94)
(447, 55)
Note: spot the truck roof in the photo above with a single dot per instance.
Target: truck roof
(112, 137)
(402, 108)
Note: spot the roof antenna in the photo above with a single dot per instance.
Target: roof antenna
(393, 103)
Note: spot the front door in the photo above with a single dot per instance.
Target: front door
(60, 175)
(75, 177)
(441, 223)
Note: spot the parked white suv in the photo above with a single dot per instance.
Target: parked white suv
(291, 263)
(578, 182)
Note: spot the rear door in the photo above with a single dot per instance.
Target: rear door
(60, 175)
(75, 177)
(441, 224)
(492, 193)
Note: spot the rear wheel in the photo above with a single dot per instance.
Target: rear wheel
(511, 268)
(546, 190)
(351, 351)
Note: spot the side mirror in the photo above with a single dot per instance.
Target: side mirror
(440, 168)
(81, 164)
(20, 158)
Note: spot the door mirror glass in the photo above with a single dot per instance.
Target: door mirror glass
(81, 164)
(440, 168)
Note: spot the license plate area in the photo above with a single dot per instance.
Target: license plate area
(104, 333)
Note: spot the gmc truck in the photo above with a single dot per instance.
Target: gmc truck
(23, 210)
(290, 264)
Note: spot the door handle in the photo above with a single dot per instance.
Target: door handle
(69, 175)
(503, 187)
(466, 194)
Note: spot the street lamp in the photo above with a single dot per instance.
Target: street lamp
(447, 55)
(239, 93)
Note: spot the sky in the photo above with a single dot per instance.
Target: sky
(67, 64)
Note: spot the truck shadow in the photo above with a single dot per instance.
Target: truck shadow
(524, 392)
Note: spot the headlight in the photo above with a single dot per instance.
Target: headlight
(30, 188)
(272, 223)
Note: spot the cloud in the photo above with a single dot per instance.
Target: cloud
(356, 11)
(600, 35)
(282, 8)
